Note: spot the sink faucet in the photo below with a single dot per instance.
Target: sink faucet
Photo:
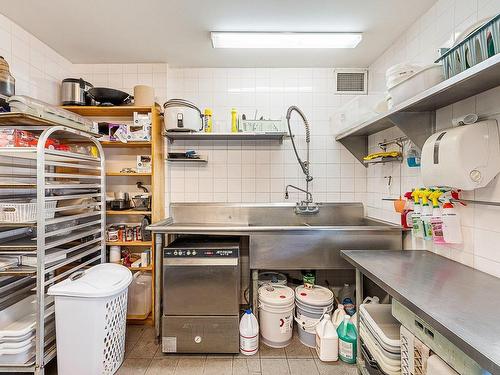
(306, 206)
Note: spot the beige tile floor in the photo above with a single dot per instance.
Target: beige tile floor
(144, 357)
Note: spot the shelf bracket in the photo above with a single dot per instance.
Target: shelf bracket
(356, 145)
(417, 126)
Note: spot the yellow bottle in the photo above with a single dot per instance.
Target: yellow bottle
(234, 120)
(208, 120)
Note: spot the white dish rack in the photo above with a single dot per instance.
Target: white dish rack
(27, 326)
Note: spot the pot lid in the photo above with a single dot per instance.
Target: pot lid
(102, 280)
(276, 294)
(272, 277)
(316, 296)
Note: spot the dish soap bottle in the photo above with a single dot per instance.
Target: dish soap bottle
(426, 215)
(436, 218)
(327, 340)
(208, 120)
(347, 341)
(417, 211)
(413, 157)
(249, 333)
(346, 297)
(407, 214)
(234, 120)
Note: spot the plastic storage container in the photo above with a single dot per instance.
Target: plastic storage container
(23, 212)
(270, 277)
(139, 295)
(380, 333)
(91, 309)
(327, 340)
(276, 305)
(422, 80)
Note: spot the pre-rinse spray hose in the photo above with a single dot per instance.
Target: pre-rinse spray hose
(303, 165)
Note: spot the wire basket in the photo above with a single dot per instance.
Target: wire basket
(267, 126)
(23, 212)
(477, 47)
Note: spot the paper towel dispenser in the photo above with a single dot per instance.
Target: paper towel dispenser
(466, 157)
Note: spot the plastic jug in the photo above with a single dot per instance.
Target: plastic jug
(338, 315)
(249, 333)
(327, 340)
(347, 341)
(346, 297)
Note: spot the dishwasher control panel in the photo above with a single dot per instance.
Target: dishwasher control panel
(200, 253)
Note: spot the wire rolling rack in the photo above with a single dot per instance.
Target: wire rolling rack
(69, 191)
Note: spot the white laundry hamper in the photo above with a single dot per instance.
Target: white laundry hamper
(91, 313)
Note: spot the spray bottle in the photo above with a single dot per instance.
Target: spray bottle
(426, 214)
(406, 215)
(436, 218)
(452, 228)
(417, 211)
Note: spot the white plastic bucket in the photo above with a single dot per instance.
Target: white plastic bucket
(276, 303)
(311, 305)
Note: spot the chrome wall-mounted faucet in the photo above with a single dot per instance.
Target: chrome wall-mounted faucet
(306, 206)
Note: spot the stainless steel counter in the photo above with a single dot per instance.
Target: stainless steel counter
(461, 303)
(281, 239)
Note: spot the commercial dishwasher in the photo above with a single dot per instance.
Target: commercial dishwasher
(201, 289)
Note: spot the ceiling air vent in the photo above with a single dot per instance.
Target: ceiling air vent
(351, 81)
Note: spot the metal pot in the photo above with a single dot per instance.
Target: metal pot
(74, 92)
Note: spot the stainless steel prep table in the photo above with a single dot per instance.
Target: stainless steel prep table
(461, 303)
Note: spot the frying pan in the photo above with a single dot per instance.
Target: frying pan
(105, 95)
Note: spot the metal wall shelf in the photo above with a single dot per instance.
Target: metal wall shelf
(416, 117)
(241, 136)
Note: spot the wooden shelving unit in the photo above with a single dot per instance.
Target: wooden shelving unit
(155, 179)
(128, 212)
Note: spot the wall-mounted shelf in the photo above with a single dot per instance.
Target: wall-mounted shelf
(383, 160)
(416, 117)
(201, 160)
(241, 136)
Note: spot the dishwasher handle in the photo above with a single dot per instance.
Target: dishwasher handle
(193, 262)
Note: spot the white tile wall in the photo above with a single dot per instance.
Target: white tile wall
(420, 43)
(37, 68)
(125, 76)
(252, 171)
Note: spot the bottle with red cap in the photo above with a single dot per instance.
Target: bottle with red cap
(407, 214)
(452, 228)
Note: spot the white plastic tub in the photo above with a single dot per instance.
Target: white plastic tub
(382, 325)
(276, 303)
(424, 79)
(139, 295)
(91, 310)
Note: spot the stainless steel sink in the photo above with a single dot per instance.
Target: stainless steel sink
(281, 239)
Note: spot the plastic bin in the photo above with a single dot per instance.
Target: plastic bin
(91, 309)
(424, 79)
(23, 212)
(139, 295)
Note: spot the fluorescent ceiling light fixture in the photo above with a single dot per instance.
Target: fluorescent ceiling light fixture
(224, 39)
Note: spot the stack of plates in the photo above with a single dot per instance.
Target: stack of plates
(379, 331)
(17, 332)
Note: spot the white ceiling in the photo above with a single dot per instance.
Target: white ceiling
(178, 31)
